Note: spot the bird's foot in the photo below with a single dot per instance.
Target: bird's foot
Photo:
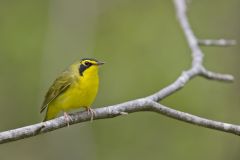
(92, 112)
(67, 118)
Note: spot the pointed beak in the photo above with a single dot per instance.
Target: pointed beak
(100, 63)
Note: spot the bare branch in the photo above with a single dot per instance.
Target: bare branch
(175, 86)
(218, 42)
(217, 76)
(138, 105)
(148, 103)
(197, 54)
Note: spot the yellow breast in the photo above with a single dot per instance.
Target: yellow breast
(81, 93)
(82, 89)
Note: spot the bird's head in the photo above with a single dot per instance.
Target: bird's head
(89, 65)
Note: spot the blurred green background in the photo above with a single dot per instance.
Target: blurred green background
(145, 50)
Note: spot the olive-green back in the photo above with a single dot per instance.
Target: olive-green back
(60, 85)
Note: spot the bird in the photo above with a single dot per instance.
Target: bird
(74, 88)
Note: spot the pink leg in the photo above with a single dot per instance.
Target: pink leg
(91, 111)
(67, 118)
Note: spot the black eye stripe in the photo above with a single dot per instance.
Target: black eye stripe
(88, 64)
(83, 67)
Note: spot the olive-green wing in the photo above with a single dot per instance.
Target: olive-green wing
(60, 85)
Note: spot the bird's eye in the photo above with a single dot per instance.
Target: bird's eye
(87, 63)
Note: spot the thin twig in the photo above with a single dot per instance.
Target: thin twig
(217, 42)
(148, 103)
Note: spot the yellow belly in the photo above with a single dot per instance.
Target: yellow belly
(80, 94)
